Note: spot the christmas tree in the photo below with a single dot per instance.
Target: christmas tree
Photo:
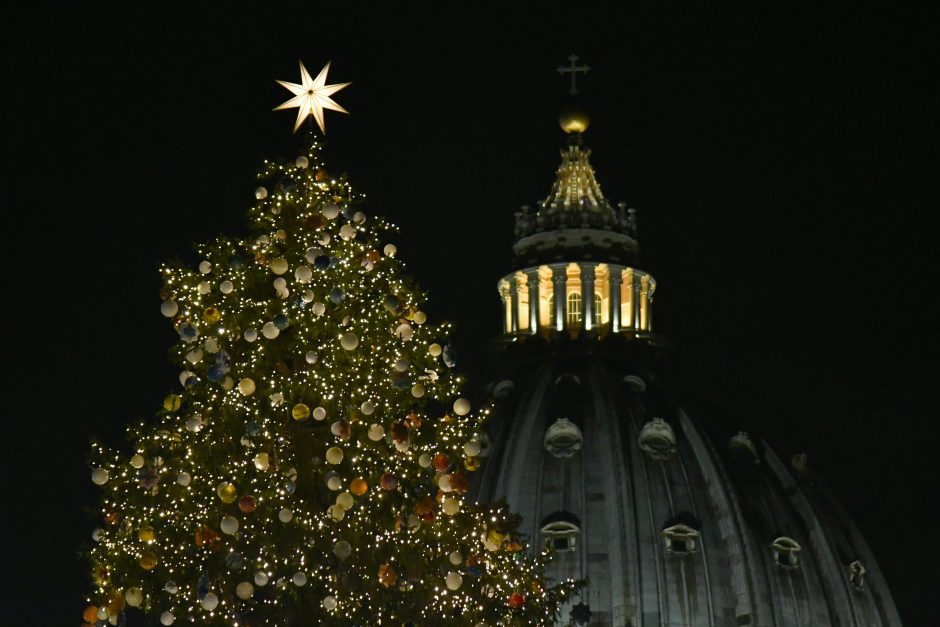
(312, 467)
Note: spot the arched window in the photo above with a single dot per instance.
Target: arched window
(574, 309)
(563, 438)
(597, 310)
(561, 530)
(786, 552)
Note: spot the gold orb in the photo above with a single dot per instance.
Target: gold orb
(574, 120)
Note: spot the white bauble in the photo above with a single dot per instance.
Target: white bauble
(417, 390)
(262, 461)
(270, 331)
(102, 613)
(246, 386)
(312, 253)
(99, 476)
(420, 317)
(137, 461)
(390, 250)
(261, 579)
(169, 308)
(262, 240)
(404, 331)
(349, 341)
(204, 287)
(329, 603)
(97, 534)
(401, 365)
(324, 239)
(226, 287)
(319, 309)
(319, 413)
(205, 267)
(280, 284)
(251, 334)
(285, 515)
(210, 601)
(455, 558)
(454, 580)
(444, 483)
(211, 344)
(261, 193)
(471, 448)
(134, 596)
(331, 211)
(311, 357)
(334, 455)
(244, 590)
(425, 460)
(450, 505)
(334, 483)
(194, 423)
(299, 579)
(307, 296)
(184, 478)
(167, 618)
(345, 500)
(301, 162)
(228, 383)
(342, 549)
(303, 274)
(347, 232)
(461, 407)
(194, 356)
(376, 432)
(367, 408)
(359, 217)
(279, 265)
(171, 587)
(229, 525)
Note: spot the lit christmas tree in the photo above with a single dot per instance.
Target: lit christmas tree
(312, 469)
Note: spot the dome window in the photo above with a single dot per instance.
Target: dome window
(658, 440)
(563, 438)
(560, 531)
(574, 309)
(680, 535)
(742, 448)
(635, 383)
(786, 553)
(857, 575)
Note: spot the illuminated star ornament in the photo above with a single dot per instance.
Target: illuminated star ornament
(312, 96)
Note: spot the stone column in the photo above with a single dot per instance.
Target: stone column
(615, 280)
(587, 296)
(506, 301)
(636, 301)
(533, 301)
(514, 294)
(559, 281)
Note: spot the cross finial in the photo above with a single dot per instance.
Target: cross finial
(574, 69)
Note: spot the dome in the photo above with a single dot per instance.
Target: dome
(670, 518)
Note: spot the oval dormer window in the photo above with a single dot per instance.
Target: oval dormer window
(657, 439)
(786, 552)
(680, 535)
(560, 531)
(857, 575)
(563, 438)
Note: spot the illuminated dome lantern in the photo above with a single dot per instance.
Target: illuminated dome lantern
(673, 518)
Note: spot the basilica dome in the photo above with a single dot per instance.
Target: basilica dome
(670, 518)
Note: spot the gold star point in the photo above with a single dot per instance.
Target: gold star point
(312, 96)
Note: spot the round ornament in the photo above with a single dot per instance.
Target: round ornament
(424, 460)
(184, 479)
(333, 482)
(145, 534)
(387, 575)
(227, 383)
(388, 482)
(358, 486)
(90, 615)
(171, 587)
(345, 500)
(401, 365)
(331, 211)
(441, 462)
(347, 232)
(134, 596)
(417, 390)
(148, 561)
(342, 549)
(319, 309)
(336, 513)
(280, 284)
(244, 590)
(194, 356)
(405, 331)
(376, 432)
(301, 162)
(211, 315)
(349, 341)
(212, 345)
(420, 317)
(279, 265)
(299, 579)
(205, 267)
(319, 413)
(229, 525)
(270, 331)
(285, 515)
(194, 424)
(324, 239)
(227, 492)
(300, 412)
(99, 476)
(226, 287)
(455, 558)
(137, 461)
(516, 600)
(204, 287)
(261, 579)
(435, 350)
(329, 603)
(472, 448)
(450, 505)
(471, 463)
(453, 580)
(246, 386)
(359, 217)
(172, 402)
(461, 407)
(303, 274)
(169, 308)
(281, 321)
(334, 455)
(209, 602)
(247, 504)
(367, 408)
(167, 618)
(251, 334)
(390, 250)
(261, 193)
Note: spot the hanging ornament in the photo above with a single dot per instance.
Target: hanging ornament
(347, 232)
(453, 580)
(349, 341)
(336, 513)
(204, 287)
(319, 413)
(167, 618)
(319, 309)
(334, 455)
(455, 558)
(390, 250)
(227, 492)
(146, 534)
(210, 601)
(244, 590)
(299, 579)
(441, 462)
(387, 575)
(331, 210)
(99, 476)
(300, 412)
(184, 479)
(148, 560)
(417, 390)
(376, 432)
(261, 193)
(329, 603)
(516, 600)
(303, 274)
(461, 407)
(246, 386)
(211, 315)
(345, 500)
(247, 504)
(435, 350)
(342, 549)
(270, 330)
(229, 525)
(137, 461)
(388, 482)
(449, 356)
(261, 579)
(358, 486)
(169, 308)
(285, 515)
(450, 505)
(226, 287)
(424, 460)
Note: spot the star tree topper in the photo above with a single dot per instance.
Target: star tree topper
(312, 96)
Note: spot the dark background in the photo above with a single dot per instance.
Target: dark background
(777, 157)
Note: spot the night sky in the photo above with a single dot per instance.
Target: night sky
(777, 159)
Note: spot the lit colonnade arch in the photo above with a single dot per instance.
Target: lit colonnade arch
(550, 298)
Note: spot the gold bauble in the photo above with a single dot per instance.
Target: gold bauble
(227, 492)
(148, 561)
(300, 412)
(146, 534)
